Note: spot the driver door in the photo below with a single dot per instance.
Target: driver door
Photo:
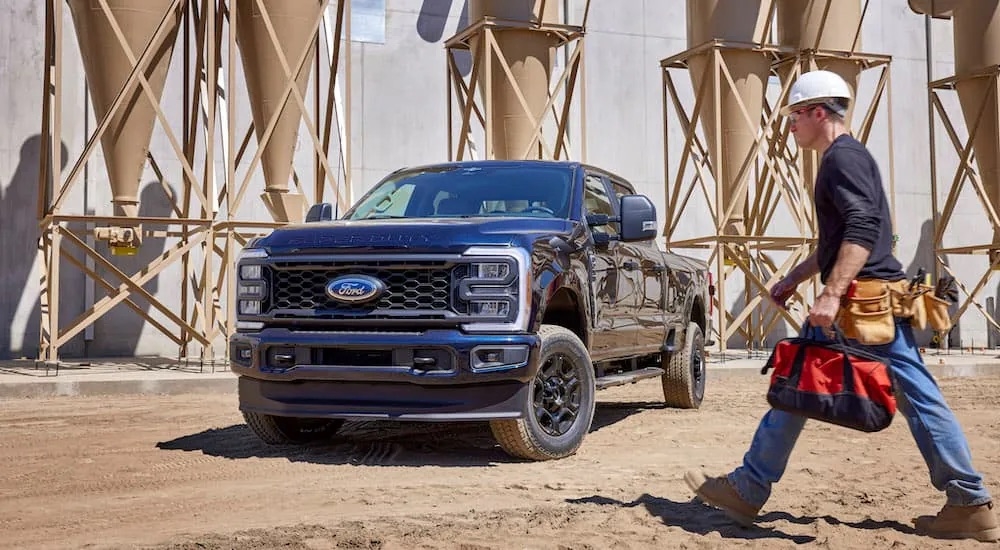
(643, 263)
(615, 321)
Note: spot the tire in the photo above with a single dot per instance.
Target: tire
(565, 386)
(286, 430)
(684, 371)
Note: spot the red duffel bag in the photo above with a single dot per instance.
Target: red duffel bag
(831, 381)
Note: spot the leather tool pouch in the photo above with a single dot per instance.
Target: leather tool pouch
(938, 316)
(909, 303)
(867, 316)
(921, 306)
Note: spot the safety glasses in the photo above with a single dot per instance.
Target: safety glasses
(794, 115)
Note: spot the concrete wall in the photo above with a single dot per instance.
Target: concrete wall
(399, 117)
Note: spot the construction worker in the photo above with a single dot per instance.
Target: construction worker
(855, 242)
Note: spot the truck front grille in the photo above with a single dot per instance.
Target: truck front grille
(408, 288)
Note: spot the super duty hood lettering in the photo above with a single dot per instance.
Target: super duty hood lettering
(358, 239)
(410, 234)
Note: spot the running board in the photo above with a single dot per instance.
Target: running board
(628, 377)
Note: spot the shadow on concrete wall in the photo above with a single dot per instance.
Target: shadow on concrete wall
(762, 313)
(18, 249)
(925, 250)
(122, 327)
(925, 258)
(431, 24)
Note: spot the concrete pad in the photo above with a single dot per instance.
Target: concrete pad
(127, 376)
(58, 387)
(26, 379)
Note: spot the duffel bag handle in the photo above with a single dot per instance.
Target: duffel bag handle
(837, 332)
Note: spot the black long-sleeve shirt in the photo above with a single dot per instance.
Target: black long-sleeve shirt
(851, 207)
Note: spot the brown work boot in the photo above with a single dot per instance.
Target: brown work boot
(718, 492)
(961, 522)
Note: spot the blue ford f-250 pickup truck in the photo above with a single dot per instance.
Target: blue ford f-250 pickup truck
(507, 291)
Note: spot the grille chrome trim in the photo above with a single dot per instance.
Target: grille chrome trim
(421, 288)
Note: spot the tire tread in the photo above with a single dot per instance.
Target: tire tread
(515, 435)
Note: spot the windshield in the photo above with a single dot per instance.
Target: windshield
(467, 191)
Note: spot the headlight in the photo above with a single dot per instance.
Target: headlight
(491, 270)
(251, 272)
(490, 308)
(251, 288)
(249, 307)
(496, 292)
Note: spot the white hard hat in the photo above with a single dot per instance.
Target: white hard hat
(818, 88)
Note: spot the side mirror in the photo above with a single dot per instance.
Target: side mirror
(320, 212)
(638, 218)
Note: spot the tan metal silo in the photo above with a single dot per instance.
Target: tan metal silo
(824, 25)
(529, 53)
(976, 31)
(293, 23)
(741, 21)
(126, 141)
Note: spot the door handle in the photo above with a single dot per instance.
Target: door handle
(629, 265)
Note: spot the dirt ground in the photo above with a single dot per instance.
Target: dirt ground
(183, 472)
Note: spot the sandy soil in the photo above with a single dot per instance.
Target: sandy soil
(184, 472)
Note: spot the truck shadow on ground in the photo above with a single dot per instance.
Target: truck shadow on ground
(384, 443)
(696, 517)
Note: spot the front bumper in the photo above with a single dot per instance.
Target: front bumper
(429, 375)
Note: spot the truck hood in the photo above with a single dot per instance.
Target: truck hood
(412, 235)
(686, 263)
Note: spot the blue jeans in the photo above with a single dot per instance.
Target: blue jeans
(934, 427)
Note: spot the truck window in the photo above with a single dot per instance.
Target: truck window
(622, 190)
(451, 204)
(597, 201)
(542, 191)
(390, 201)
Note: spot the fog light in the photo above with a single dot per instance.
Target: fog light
(250, 307)
(242, 354)
(485, 358)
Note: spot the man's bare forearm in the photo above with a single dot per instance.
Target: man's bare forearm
(806, 269)
(850, 260)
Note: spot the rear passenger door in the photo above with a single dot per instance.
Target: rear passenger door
(615, 321)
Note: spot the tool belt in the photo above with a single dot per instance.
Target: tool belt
(869, 314)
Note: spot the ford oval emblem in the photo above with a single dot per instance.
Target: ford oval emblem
(355, 289)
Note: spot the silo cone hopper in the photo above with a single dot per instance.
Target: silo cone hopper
(738, 21)
(126, 141)
(977, 49)
(530, 55)
(266, 83)
(824, 25)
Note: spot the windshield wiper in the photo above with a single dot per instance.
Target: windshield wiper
(383, 217)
